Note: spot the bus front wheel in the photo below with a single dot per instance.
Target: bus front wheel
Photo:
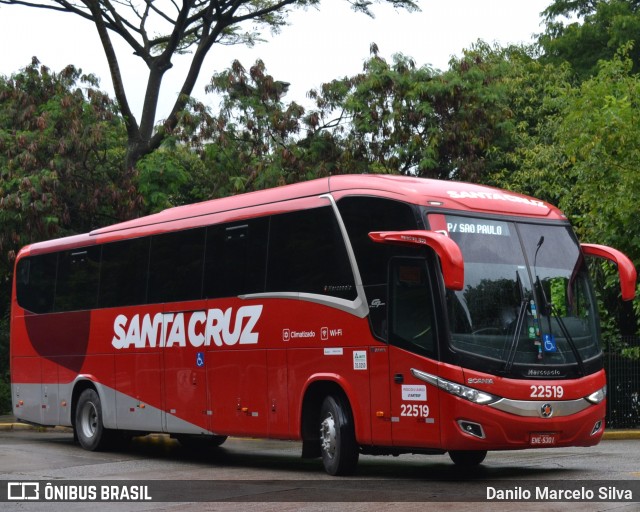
(338, 445)
(89, 427)
(467, 458)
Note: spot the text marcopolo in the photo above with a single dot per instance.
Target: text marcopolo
(197, 328)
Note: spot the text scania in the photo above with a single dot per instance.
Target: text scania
(197, 328)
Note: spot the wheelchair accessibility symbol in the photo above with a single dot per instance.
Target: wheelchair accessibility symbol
(200, 359)
(550, 343)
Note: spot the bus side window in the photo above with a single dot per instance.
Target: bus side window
(123, 273)
(411, 318)
(36, 282)
(175, 266)
(236, 258)
(361, 216)
(307, 254)
(77, 279)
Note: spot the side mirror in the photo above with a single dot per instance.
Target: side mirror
(626, 268)
(446, 249)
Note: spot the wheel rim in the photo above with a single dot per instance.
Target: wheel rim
(89, 419)
(328, 438)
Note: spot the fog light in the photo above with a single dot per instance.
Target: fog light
(471, 428)
(596, 428)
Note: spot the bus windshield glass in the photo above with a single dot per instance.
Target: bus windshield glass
(527, 305)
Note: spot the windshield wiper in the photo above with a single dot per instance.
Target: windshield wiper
(519, 323)
(552, 310)
(516, 336)
(548, 309)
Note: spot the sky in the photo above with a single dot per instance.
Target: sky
(318, 45)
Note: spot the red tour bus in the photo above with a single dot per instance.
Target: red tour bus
(358, 314)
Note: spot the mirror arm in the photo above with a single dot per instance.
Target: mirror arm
(626, 268)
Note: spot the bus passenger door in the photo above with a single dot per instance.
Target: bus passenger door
(415, 410)
(185, 372)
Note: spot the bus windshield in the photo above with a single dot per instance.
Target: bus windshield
(527, 308)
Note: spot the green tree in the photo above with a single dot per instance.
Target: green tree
(394, 117)
(534, 163)
(583, 32)
(600, 136)
(581, 154)
(61, 148)
(398, 117)
(248, 144)
(156, 31)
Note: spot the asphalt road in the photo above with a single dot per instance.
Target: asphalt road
(270, 475)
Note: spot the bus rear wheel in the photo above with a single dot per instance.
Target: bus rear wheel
(338, 445)
(89, 427)
(467, 458)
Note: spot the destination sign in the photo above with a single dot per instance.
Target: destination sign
(470, 226)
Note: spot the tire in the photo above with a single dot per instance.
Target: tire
(467, 458)
(338, 445)
(89, 426)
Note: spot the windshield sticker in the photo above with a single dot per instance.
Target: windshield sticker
(550, 343)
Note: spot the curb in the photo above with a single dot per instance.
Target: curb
(17, 426)
(621, 434)
(609, 435)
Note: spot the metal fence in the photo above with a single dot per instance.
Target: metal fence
(623, 388)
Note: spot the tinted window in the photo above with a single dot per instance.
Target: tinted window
(236, 258)
(307, 254)
(176, 265)
(36, 282)
(123, 280)
(361, 216)
(411, 324)
(78, 278)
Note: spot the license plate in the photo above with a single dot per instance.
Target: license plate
(543, 439)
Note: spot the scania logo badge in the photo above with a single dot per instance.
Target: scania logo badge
(546, 411)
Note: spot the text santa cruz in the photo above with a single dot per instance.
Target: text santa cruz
(197, 328)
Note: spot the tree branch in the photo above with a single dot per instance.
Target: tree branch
(133, 131)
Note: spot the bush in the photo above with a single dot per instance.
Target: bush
(5, 395)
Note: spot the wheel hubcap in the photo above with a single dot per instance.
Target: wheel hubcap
(89, 420)
(328, 435)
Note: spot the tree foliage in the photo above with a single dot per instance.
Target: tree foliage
(584, 32)
(158, 30)
(393, 117)
(61, 149)
(61, 152)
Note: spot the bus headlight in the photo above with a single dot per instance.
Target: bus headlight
(597, 396)
(473, 395)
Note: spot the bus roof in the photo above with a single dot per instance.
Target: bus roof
(437, 194)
